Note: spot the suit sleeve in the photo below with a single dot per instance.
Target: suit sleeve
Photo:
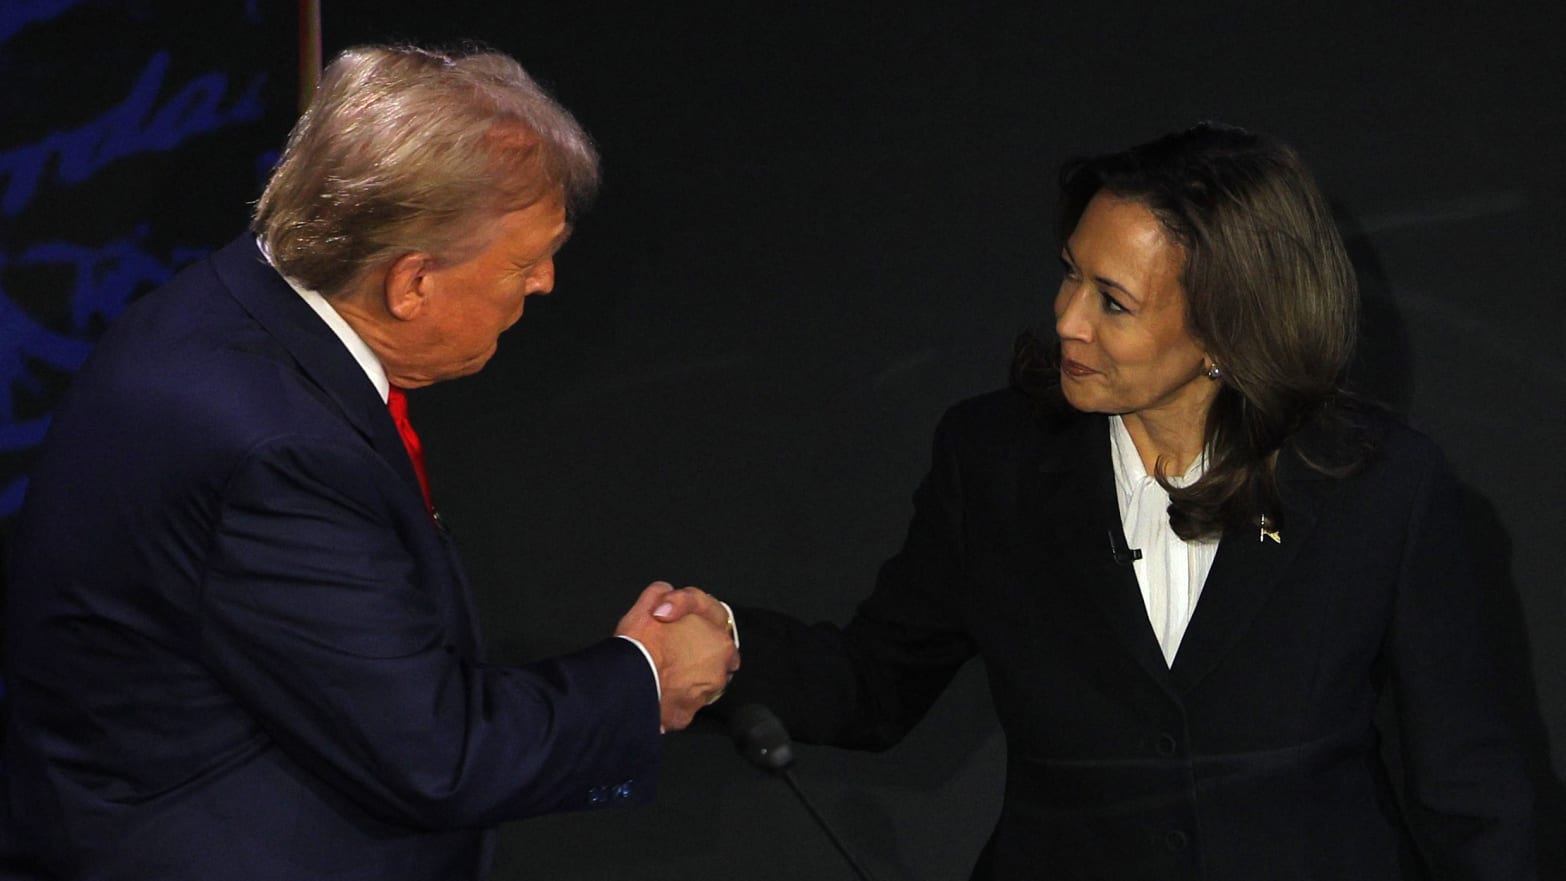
(866, 684)
(1468, 793)
(318, 618)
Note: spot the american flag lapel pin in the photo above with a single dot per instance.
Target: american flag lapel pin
(1276, 535)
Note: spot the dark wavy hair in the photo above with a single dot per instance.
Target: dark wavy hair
(1270, 295)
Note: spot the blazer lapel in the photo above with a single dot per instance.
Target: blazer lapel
(1072, 498)
(1247, 569)
(320, 354)
(327, 364)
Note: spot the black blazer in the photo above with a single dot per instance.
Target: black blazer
(238, 648)
(1255, 756)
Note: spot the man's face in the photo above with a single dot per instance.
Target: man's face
(468, 304)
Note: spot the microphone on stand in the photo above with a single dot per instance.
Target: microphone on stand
(761, 738)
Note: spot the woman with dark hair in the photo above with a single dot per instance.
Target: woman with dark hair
(1191, 564)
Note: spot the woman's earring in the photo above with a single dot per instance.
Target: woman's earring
(1213, 371)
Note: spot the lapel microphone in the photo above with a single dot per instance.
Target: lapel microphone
(761, 738)
(1121, 554)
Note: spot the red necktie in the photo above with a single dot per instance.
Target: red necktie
(397, 403)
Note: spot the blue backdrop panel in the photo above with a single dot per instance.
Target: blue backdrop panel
(135, 134)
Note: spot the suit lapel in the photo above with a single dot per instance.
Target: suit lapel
(1072, 498)
(1244, 575)
(320, 355)
(329, 367)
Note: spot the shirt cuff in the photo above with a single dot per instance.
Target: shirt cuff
(733, 628)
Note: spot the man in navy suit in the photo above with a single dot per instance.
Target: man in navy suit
(239, 642)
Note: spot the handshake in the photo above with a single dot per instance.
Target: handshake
(690, 637)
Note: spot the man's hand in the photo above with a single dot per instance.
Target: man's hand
(676, 604)
(695, 654)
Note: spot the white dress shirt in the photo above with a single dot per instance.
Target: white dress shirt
(1171, 571)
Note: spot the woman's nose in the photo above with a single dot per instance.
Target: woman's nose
(1071, 319)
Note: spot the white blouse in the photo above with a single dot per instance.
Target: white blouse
(1171, 571)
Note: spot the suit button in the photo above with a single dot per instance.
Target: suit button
(1175, 840)
(623, 791)
(597, 795)
(1166, 745)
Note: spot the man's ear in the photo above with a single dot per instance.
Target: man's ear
(406, 285)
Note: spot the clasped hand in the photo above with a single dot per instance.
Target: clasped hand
(688, 634)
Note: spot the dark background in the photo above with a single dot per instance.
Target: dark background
(820, 226)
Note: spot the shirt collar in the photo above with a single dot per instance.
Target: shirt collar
(1129, 470)
(357, 347)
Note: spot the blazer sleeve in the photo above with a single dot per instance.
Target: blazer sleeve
(866, 684)
(319, 619)
(1467, 790)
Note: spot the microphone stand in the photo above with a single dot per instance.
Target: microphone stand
(764, 742)
(821, 821)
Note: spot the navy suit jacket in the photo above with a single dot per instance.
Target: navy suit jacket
(237, 646)
(1255, 755)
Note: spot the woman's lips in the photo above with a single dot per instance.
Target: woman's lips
(1076, 369)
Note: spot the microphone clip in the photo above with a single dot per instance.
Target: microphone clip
(1123, 555)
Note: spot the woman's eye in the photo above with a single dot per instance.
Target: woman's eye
(1067, 269)
(1111, 305)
